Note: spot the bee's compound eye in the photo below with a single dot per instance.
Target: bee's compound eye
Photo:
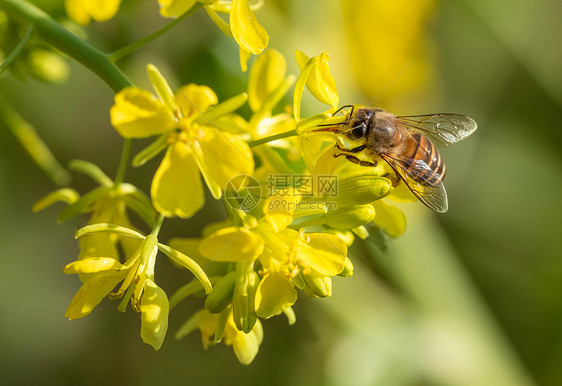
(358, 131)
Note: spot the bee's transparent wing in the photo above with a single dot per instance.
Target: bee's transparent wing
(434, 196)
(442, 129)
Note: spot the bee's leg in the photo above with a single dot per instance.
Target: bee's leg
(356, 160)
(354, 150)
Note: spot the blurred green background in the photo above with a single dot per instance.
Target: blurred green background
(471, 297)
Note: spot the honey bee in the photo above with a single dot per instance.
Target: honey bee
(405, 143)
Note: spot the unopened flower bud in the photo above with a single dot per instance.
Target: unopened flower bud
(351, 216)
(222, 293)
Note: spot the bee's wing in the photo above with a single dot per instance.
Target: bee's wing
(443, 129)
(434, 196)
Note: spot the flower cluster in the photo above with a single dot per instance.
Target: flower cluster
(293, 207)
(289, 221)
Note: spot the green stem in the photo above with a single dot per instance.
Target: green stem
(159, 222)
(271, 138)
(122, 163)
(116, 55)
(65, 41)
(18, 50)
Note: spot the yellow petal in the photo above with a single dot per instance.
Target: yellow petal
(268, 71)
(176, 188)
(325, 82)
(249, 34)
(246, 346)
(389, 218)
(275, 293)
(194, 99)
(212, 184)
(97, 244)
(324, 253)
(279, 209)
(320, 81)
(92, 264)
(226, 156)
(137, 113)
(318, 153)
(120, 217)
(244, 57)
(76, 12)
(232, 244)
(154, 314)
(175, 8)
(92, 293)
(100, 10)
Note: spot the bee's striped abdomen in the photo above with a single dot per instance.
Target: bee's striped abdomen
(425, 163)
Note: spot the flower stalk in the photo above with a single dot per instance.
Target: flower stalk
(62, 39)
(17, 50)
(124, 51)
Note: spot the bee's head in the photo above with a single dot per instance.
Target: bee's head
(358, 123)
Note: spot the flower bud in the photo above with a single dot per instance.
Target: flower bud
(47, 66)
(243, 300)
(320, 286)
(347, 269)
(361, 190)
(222, 293)
(351, 216)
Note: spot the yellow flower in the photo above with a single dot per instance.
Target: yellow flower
(243, 26)
(220, 327)
(319, 80)
(136, 276)
(195, 146)
(284, 254)
(138, 272)
(82, 11)
(107, 203)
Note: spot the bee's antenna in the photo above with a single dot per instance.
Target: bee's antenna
(344, 107)
(334, 125)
